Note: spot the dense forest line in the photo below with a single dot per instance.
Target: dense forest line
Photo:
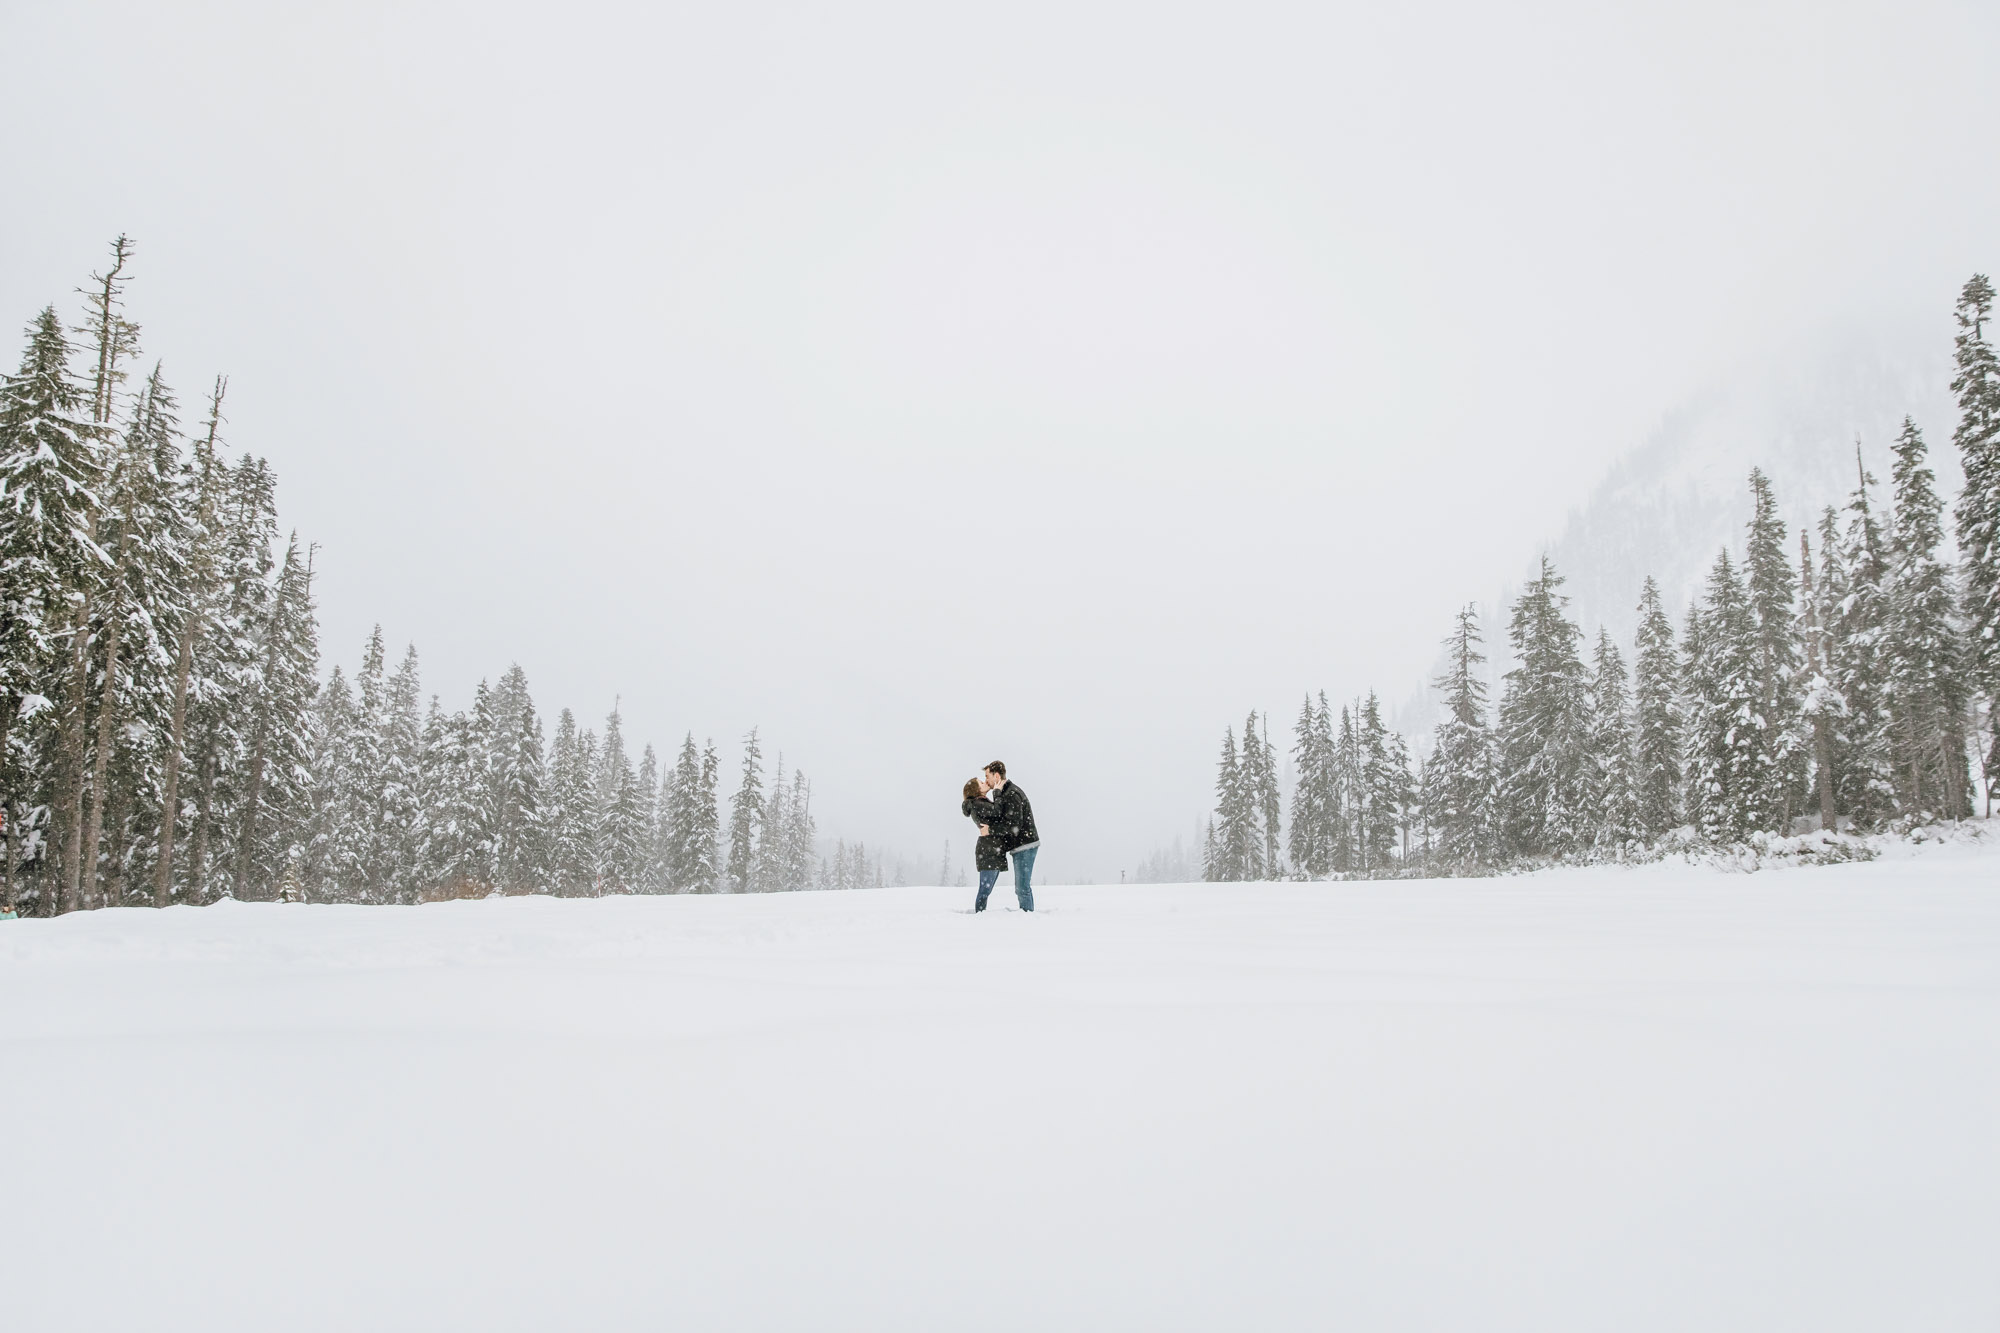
(165, 735)
(1849, 682)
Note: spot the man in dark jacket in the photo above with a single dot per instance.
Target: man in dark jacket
(1013, 821)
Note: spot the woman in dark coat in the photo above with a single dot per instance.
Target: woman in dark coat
(989, 854)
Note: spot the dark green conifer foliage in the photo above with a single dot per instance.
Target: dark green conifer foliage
(1925, 687)
(1657, 718)
(1613, 770)
(1544, 728)
(746, 812)
(1773, 588)
(1866, 790)
(1977, 385)
(1459, 787)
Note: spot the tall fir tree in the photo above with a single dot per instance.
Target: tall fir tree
(52, 460)
(1821, 707)
(1543, 727)
(1613, 768)
(1728, 752)
(1866, 778)
(1459, 778)
(1926, 690)
(1656, 709)
(1976, 382)
(1773, 589)
(746, 811)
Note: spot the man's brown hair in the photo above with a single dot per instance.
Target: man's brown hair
(998, 768)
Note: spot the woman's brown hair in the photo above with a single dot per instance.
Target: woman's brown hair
(972, 792)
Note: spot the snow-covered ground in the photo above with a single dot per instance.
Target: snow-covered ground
(1666, 1098)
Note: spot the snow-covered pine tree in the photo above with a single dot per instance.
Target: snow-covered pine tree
(1820, 704)
(705, 860)
(1265, 800)
(1317, 814)
(1347, 858)
(1386, 791)
(680, 843)
(1866, 789)
(768, 863)
(1459, 775)
(204, 498)
(620, 841)
(113, 339)
(1977, 436)
(649, 821)
(515, 778)
(1614, 768)
(801, 834)
(51, 460)
(1543, 727)
(1236, 838)
(566, 811)
(1772, 588)
(330, 752)
(277, 707)
(1924, 681)
(1728, 755)
(134, 529)
(746, 811)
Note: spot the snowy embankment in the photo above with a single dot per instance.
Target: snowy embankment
(1664, 1098)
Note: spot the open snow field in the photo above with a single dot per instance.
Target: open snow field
(1609, 1100)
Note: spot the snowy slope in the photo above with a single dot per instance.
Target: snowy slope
(1599, 1099)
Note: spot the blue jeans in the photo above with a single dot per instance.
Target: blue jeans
(987, 879)
(1024, 869)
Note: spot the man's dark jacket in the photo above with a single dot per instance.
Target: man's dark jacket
(1014, 819)
(990, 852)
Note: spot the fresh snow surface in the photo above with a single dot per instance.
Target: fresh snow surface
(1667, 1098)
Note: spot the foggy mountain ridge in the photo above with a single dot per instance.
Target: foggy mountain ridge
(1669, 504)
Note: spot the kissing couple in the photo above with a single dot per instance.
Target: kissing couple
(1006, 830)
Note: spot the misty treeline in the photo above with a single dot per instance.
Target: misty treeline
(1848, 681)
(165, 735)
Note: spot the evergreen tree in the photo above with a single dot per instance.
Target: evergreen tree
(1977, 385)
(1316, 809)
(1237, 854)
(1613, 769)
(620, 836)
(1772, 590)
(1925, 687)
(1543, 728)
(1386, 791)
(1865, 785)
(1820, 704)
(1347, 858)
(1459, 778)
(568, 811)
(1656, 782)
(51, 459)
(1266, 802)
(400, 809)
(746, 810)
(1728, 748)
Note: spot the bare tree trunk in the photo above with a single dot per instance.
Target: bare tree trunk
(1823, 759)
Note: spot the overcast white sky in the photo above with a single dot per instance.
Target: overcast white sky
(1046, 382)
